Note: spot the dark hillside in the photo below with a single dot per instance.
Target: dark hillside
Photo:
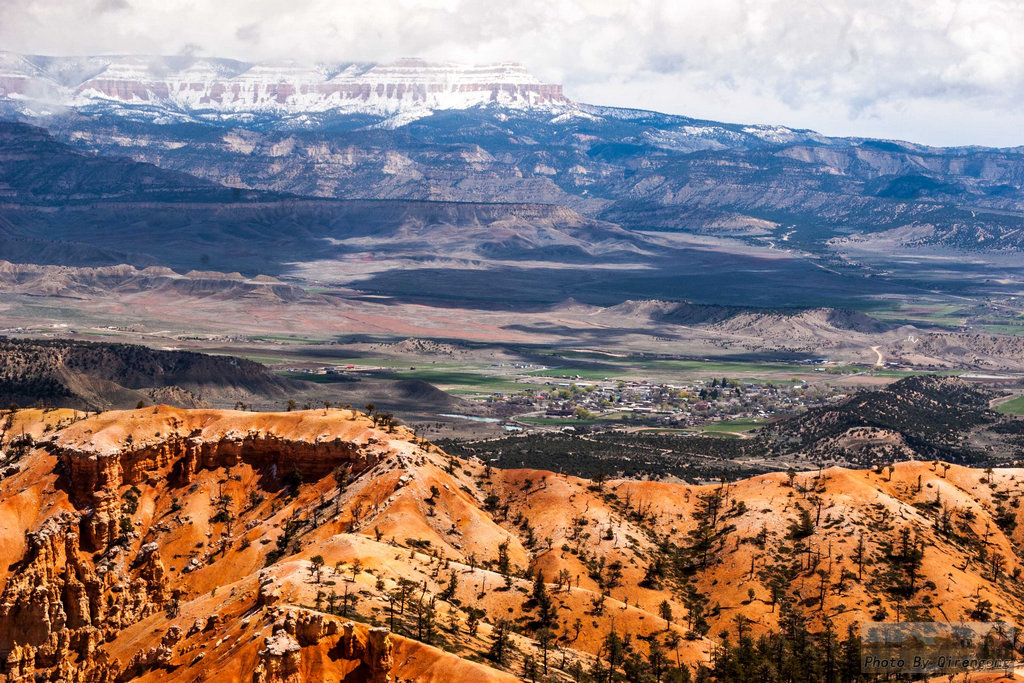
(99, 375)
(927, 417)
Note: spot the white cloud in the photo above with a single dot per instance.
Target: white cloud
(941, 71)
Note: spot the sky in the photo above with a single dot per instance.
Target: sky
(939, 72)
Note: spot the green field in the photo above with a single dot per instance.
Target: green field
(926, 313)
(737, 426)
(1012, 407)
(581, 373)
(661, 369)
(385, 362)
(558, 421)
(720, 368)
(285, 338)
(316, 379)
(457, 381)
(663, 430)
(948, 315)
(469, 379)
(720, 435)
(914, 373)
(1008, 328)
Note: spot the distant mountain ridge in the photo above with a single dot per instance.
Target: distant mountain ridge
(200, 88)
(495, 134)
(234, 136)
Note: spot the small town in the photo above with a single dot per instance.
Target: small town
(718, 405)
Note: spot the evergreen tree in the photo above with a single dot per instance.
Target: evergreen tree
(542, 600)
(502, 644)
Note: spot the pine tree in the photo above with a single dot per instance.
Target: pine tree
(703, 538)
(449, 592)
(545, 638)
(502, 643)
(665, 610)
(545, 609)
(504, 564)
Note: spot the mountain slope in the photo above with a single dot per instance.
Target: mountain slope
(644, 171)
(918, 417)
(94, 376)
(200, 545)
(67, 208)
(36, 169)
(415, 130)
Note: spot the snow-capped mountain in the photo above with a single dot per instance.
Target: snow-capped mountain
(183, 88)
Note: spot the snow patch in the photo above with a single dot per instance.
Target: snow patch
(184, 88)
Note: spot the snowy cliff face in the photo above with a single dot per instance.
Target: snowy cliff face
(183, 88)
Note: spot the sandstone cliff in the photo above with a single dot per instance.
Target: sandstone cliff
(174, 545)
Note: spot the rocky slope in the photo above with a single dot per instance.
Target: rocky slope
(88, 375)
(919, 418)
(809, 331)
(165, 544)
(62, 207)
(636, 169)
(36, 169)
(991, 352)
(87, 585)
(69, 281)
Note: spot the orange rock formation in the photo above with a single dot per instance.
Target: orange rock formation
(174, 545)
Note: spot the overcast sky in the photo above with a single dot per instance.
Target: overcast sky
(933, 71)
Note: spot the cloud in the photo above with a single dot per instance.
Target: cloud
(111, 5)
(861, 67)
(250, 33)
(189, 50)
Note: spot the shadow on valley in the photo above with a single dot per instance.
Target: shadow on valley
(699, 276)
